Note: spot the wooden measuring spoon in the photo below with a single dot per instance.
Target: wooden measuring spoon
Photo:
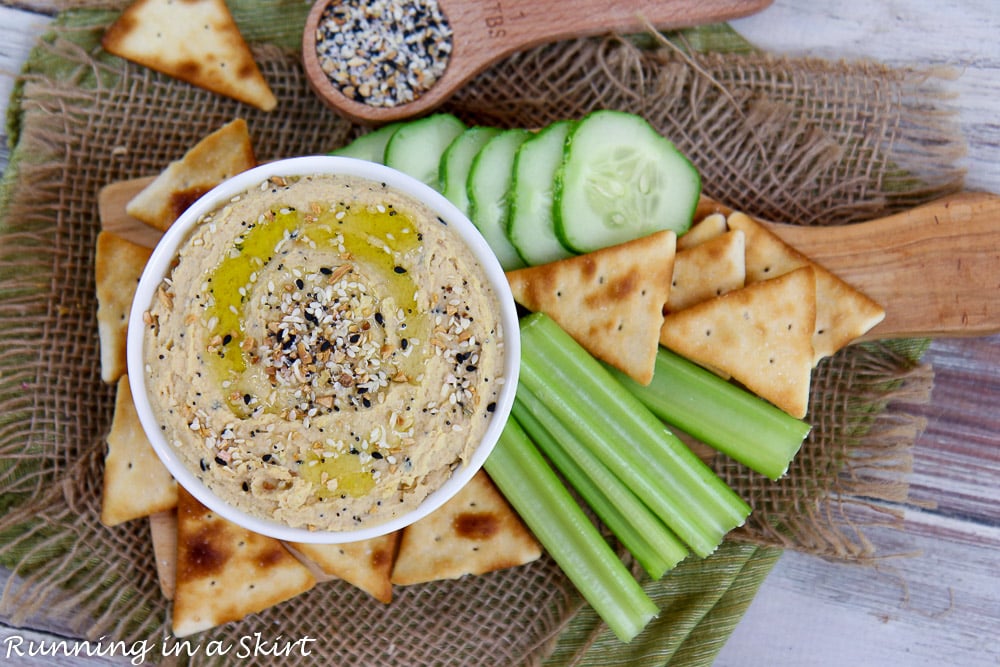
(486, 31)
(935, 268)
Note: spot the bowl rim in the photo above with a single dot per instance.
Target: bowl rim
(158, 266)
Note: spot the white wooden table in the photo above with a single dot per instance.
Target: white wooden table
(941, 606)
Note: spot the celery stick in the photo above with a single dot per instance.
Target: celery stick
(548, 509)
(629, 439)
(722, 415)
(639, 530)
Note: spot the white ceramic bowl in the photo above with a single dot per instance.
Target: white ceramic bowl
(159, 264)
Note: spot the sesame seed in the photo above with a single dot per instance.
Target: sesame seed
(383, 52)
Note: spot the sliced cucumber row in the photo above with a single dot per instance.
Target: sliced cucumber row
(572, 187)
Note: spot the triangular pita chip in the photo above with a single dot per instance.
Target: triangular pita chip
(707, 270)
(163, 532)
(842, 312)
(196, 41)
(225, 572)
(610, 300)
(707, 228)
(366, 564)
(118, 265)
(761, 335)
(224, 153)
(473, 533)
(136, 483)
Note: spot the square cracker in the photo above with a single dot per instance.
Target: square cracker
(366, 564)
(761, 335)
(842, 312)
(118, 265)
(473, 533)
(136, 483)
(707, 270)
(196, 41)
(220, 155)
(610, 300)
(225, 572)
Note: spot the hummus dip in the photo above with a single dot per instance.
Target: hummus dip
(324, 352)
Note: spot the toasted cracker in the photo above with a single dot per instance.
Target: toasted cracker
(473, 533)
(610, 300)
(761, 335)
(118, 265)
(842, 312)
(136, 483)
(706, 229)
(222, 154)
(225, 572)
(707, 270)
(366, 564)
(196, 41)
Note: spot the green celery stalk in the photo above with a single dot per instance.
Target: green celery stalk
(720, 414)
(555, 518)
(639, 530)
(629, 439)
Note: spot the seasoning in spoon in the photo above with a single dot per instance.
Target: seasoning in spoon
(383, 52)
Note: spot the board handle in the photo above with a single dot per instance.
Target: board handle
(934, 268)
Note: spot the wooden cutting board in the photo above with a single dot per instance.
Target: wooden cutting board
(935, 268)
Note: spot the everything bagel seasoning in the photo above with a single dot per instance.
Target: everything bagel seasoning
(384, 52)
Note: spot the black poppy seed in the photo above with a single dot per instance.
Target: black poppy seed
(325, 270)
(265, 458)
(299, 283)
(379, 319)
(399, 269)
(246, 487)
(247, 398)
(491, 407)
(221, 461)
(227, 339)
(376, 455)
(203, 465)
(404, 343)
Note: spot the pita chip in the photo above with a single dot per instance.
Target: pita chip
(842, 312)
(473, 533)
(761, 335)
(366, 564)
(707, 228)
(196, 41)
(224, 153)
(136, 483)
(610, 300)
(118, 265)
(708, 270)
(163, 532)
(225, 572)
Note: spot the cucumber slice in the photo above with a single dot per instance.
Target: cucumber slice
(530, 223)
(457, 160)
(369, 146)
(416, 148)
(620, 180)
(489, 191)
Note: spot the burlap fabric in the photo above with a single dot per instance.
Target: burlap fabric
(801, 141)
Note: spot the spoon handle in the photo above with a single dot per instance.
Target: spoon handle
(491, 29)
